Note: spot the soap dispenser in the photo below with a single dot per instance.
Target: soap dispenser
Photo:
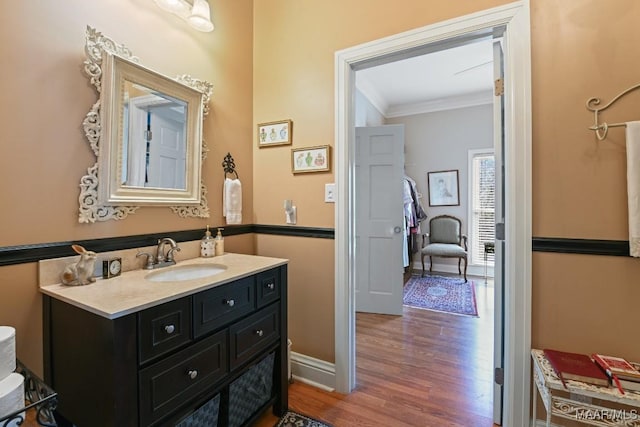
(219, 243)
(207, 245)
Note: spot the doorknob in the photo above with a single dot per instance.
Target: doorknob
(397, 230)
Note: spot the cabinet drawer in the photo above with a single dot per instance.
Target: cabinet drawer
(167, 384)
(164, 328)
(253, 334)
(218, 306)
(268, 287)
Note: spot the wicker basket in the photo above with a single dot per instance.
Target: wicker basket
(204, 416)
(252, 390)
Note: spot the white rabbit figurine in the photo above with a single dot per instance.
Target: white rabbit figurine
(81, 272)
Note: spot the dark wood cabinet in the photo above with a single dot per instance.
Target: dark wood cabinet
(161, 365)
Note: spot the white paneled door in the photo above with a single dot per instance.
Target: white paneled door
(167, 151)
(379, 218)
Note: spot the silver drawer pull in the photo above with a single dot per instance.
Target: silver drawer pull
(230, 302)
(169, 329)
(259, 332)
(271, 286)
(192, 374)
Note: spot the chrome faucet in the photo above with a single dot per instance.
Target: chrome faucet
(162, 258)
(168, 256)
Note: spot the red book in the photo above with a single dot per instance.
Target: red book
(617, 366)
(574, 366)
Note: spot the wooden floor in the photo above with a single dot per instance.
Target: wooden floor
(421, 369)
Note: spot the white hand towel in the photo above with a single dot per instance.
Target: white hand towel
(633, 186)
(232, 201)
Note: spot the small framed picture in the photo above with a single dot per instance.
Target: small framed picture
(275, 133)
(444, 189)
(311, 159)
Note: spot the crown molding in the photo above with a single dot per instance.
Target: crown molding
(442, 104)
(368, 90)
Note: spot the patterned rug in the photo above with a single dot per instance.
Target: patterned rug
(444, 294)
(293, 419)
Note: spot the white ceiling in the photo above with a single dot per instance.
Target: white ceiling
(453, 78)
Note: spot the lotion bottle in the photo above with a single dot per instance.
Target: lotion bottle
(207, 245)
(219, 243)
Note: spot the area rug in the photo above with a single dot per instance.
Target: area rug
(444, 294)
(293, 419)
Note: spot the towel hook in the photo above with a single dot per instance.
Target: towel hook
(592, 105)
(229, 165)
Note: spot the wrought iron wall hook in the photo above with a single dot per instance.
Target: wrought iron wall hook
(229, 166)
(592, 105)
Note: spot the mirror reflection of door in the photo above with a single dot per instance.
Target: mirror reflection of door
(154, 140)
(167, 153)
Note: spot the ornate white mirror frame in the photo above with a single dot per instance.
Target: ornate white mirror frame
(103, 194)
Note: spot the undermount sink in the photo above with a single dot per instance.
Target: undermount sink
(185, 272)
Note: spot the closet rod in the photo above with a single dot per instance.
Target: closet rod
(592, 104)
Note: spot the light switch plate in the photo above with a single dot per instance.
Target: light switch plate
(329, 193)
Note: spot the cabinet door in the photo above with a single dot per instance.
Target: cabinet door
(218, 306)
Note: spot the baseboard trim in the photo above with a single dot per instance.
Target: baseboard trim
(472, 270)
(312, 371)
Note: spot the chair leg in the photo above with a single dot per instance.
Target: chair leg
(465, 269)
(459, 261)
(422, 259)
(430, 264)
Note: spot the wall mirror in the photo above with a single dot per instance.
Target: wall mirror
(146, 133)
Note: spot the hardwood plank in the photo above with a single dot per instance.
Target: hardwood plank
(420, 369)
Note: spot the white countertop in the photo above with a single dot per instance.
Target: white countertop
(131, 292)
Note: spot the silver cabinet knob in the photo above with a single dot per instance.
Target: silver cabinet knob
(169, 329)
(271, 286)
(192, 374)
(230, 302)
(259, 332)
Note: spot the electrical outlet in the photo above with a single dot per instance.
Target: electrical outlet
(329, 193)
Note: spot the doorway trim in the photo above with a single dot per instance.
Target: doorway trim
(517, 296)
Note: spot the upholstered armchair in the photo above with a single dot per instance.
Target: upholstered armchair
(445, 239)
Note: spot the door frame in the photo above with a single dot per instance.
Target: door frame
(517, 299)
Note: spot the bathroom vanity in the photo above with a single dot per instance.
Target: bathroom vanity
(129, 351)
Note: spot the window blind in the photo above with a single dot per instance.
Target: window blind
(482, 207)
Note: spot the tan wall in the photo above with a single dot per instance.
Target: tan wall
(45, 96)
(311, 273)
(580, 49)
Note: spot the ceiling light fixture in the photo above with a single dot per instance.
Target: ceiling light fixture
(198, 14)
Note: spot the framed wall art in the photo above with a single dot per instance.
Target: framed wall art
(275, 133)
(444, 189)
(311, 159)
